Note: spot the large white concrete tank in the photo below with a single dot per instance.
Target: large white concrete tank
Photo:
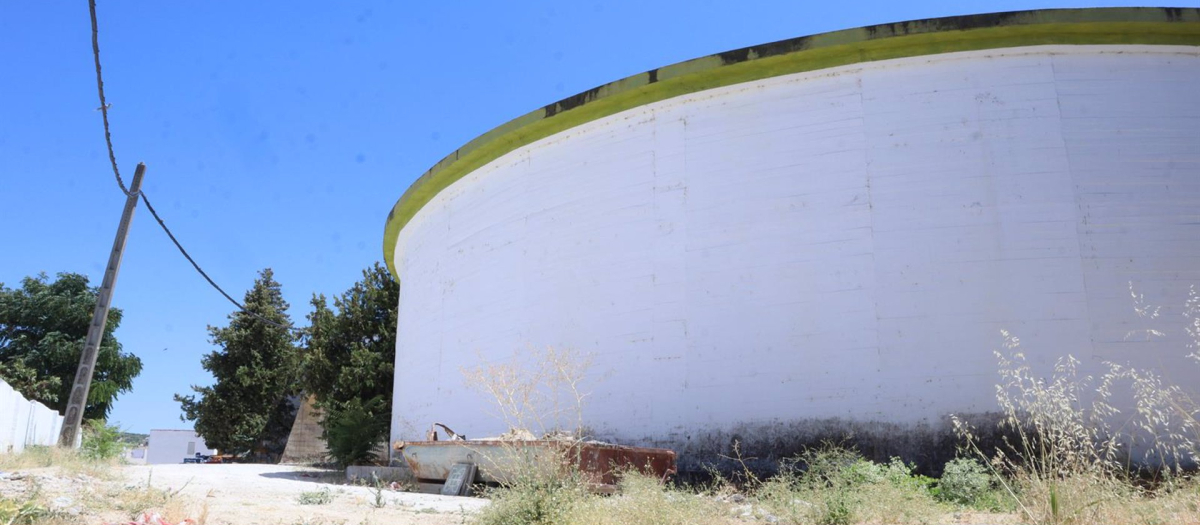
(821, 234)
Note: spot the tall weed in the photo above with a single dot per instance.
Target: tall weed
(1069, 461)
(536, 393)
(101, 441)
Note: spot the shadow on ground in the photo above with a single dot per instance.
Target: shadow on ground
(337, 477)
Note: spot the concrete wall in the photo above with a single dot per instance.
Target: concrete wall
(171, 446)
(136, 455)
(24, 422)
(304, 443)
(843, 244)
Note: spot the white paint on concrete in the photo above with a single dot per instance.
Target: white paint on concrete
(840, 243)
(25, 423)
(135, 455)
(172, 446)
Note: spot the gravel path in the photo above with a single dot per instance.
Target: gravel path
(231, 494)
(239, 494)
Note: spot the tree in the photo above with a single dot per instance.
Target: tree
(43, 326)
(29, 382)
(349, 358)
(251, 405)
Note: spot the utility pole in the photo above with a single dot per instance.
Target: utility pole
(87, 360)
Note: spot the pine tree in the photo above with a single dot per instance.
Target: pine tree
(251, 405)
(349, 357)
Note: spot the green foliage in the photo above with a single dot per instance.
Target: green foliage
(377, 492)
(836, 473)
(831, 485)
(536, 497)
(349, 355)
(353, 431)
(315, 497)
(249, 407)
(964, 481)
(21, 512)
(29, 382)
(43, 326)
(562, 497)
(132, 439)
(101, 441)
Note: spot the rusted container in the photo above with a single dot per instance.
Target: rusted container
(499, 461)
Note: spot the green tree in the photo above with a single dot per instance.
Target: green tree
(29, 382)
(251, 405)
(349, 355)
(43, 326)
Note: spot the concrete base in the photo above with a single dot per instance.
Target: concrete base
(385, 474)
(304, 444)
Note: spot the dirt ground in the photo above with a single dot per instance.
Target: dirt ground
(234, 494)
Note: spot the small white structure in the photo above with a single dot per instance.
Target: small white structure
(136, 455)
(172, 446)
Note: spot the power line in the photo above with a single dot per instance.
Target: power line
(146, 200)
(117, 172)
(112, 157)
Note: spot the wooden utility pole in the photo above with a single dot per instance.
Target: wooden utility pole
(91, 346)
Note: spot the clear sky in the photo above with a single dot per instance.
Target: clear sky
(279, 134)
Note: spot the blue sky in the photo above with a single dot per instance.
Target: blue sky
(279, 134)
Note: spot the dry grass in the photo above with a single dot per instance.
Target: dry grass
(833, 486)
(536, 393)
(63, 461)
(1071, 463)
(645, 500)
(567, 500)
(92, 487)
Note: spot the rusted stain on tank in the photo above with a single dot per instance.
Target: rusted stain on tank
(498, 460)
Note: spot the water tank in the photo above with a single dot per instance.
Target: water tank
(818, 235)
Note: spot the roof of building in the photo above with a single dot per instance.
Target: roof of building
(1145, 26)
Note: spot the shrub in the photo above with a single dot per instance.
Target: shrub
(830, 485)
(21, 512)
(964, 481)
(354, 430)
(536, 497)
(315, 497)
(101, 441)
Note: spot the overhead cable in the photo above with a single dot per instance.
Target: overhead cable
(112, 158)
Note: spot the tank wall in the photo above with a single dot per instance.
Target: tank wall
(847, 243)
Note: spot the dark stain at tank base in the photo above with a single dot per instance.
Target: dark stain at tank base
(762, 446)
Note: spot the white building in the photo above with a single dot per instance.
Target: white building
(136, 455)
(172, 446)
(825, 232)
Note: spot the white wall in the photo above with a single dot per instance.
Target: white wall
(24, 422)
(136, 455)
(843, 243)
(171, 446)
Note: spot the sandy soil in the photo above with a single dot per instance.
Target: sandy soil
(243, 494)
